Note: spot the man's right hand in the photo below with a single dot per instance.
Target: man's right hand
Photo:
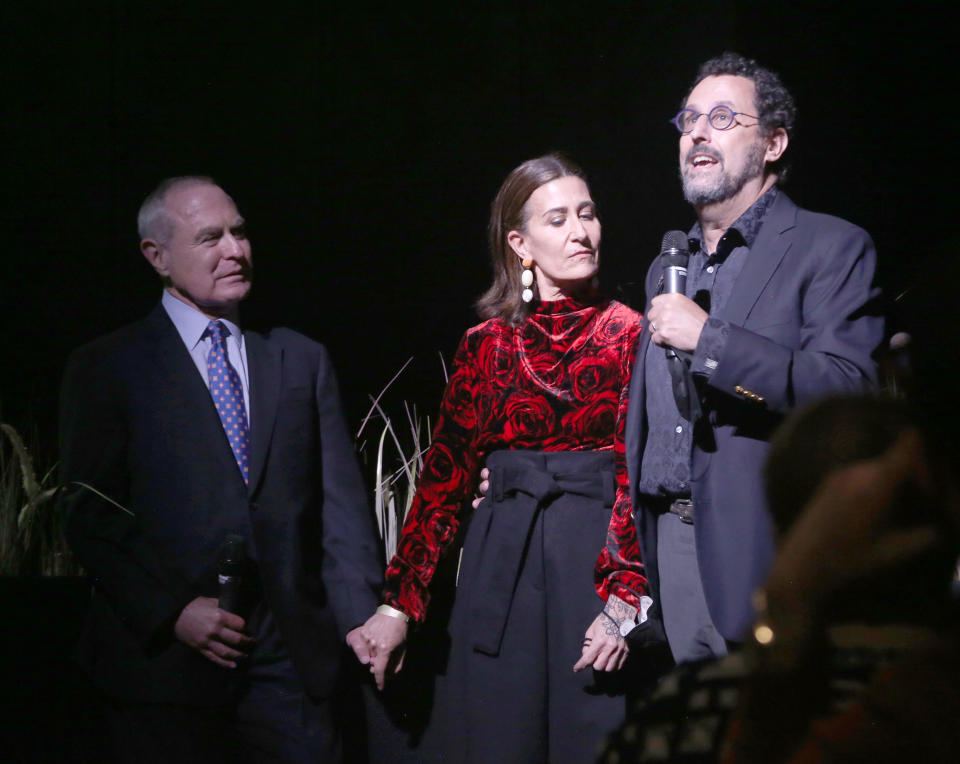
(216, 634)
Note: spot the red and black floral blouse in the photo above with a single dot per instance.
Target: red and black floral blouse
(556, 382)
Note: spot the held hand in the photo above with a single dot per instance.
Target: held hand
(216, 634)
(483, 487)
(386, 638)
(359, 645)
(675, 321)
(604, 647)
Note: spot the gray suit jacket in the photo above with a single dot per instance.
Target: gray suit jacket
(805, 321)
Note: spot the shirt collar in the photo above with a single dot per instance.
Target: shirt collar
(744, 230)
(191, 323)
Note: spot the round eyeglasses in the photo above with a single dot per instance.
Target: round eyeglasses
(720, 118)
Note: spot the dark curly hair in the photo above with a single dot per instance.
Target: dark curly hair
(775, 106)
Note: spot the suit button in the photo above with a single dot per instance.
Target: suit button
(253, 506)
(739, 389)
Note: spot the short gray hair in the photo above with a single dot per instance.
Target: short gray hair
(153, 222)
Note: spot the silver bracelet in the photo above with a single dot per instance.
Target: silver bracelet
(393, 613)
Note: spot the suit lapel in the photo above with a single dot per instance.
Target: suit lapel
(635, 409)
(266, 364)
(636, 406)
(762, 261)
(176, 371)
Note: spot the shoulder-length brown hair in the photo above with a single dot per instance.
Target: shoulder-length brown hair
(509, 213)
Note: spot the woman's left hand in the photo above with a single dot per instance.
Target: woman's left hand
(604, 647)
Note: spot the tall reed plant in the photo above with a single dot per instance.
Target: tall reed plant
(31, 525)
(397, 462)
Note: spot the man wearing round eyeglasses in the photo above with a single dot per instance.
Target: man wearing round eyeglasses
(722, 151)
(779, 309)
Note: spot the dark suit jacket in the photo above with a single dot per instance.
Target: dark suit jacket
(805, 320)
(138, 425)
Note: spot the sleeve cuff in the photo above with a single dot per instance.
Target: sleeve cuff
(633, 596)
(628, 626)
(710, 347)
(414, 610)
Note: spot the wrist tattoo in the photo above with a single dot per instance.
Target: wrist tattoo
(619, 609)
(612, 626)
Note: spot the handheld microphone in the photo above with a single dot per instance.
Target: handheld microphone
(230, 568)
(674, 256)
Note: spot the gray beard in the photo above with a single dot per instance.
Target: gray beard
(726, 186)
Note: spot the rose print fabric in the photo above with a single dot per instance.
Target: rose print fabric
(557, 382)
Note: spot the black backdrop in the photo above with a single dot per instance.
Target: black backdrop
(364, 143)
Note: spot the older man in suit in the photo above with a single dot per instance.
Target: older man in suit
(178, 432)
(780, 309)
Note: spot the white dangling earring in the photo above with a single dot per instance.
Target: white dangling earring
(526, 278)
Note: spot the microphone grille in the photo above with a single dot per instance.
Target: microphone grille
(674, 240)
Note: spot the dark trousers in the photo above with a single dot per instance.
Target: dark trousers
(686, 619)
(525, 597)
(271, 720)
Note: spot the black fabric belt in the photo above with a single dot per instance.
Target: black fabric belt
(522, 483)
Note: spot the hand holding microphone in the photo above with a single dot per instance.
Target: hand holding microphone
(211, 626)
(674, 319)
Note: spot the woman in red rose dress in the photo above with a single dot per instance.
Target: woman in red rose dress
(550, 578)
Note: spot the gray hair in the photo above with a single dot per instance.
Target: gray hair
(153, 222)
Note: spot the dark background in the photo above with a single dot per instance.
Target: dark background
(364, 144)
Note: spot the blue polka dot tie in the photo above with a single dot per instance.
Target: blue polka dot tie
(227, 395)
